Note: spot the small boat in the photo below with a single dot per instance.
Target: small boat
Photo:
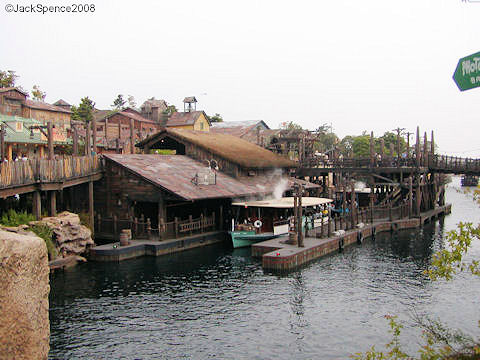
(267, 219)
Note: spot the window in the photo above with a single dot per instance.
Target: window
(19, 126)
(201, 125)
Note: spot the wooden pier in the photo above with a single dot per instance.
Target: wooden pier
(137, 248)
(278, 256)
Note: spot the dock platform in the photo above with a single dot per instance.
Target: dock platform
(137, 248)
(277, 256)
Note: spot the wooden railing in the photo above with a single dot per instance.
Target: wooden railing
(434, 162)
(18, 173)
(348, 221)
(142, 228)
(454, 164)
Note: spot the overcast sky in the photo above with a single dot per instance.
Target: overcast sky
(359, 65)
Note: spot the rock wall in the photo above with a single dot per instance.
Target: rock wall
(69, 236)
(24, 288)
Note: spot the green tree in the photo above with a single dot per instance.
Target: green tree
(325, 138)
(119, 102)
(216, 118)
(84, 111)
(131, 102)
(361, 146)
(7, 78)
(38, 94)
(290, 125)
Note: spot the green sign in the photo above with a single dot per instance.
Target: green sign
(467, 73)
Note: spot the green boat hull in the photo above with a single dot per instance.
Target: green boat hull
(248, 238)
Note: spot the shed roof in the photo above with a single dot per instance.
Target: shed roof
(61, 102)
(185, 118)
(40, 105)
(7, 89)
(100, 115)
(175, 173)
(231, 148)
(237, 128)
(190, 99)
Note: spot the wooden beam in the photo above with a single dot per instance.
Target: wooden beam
(90, 206)
(37, 205)
(53, 203)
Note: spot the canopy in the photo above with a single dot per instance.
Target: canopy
(284, 203)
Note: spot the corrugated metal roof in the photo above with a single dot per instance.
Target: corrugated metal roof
(40, 105)
(175, 173)
(238, 128)
(184, 118)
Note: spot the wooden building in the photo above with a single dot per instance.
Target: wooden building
(14, 102)
(154, 109)
(250, 130)
(118, 131)
(23, 142)
(190, 120)
(207, 172)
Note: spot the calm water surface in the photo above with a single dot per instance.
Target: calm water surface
(217, 302)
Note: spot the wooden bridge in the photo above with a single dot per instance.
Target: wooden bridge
(433, 163)
(34, 176)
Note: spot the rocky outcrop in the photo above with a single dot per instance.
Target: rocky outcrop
(24, 288)
(69, 236)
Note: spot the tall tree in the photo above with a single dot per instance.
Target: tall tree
(290, 125)
(84, 111)
(216, 118)
(38, 94)
(131, 101)
(7, 78)
(119, 102)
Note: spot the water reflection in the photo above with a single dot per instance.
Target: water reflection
(217, 302)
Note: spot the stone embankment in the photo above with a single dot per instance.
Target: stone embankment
(24, 288)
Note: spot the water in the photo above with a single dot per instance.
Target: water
(217, 302)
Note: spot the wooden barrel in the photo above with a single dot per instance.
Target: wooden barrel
(129, 232)
(123, 238)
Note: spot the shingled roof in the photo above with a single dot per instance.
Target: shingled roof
(40, 105)
(174, 173)
(231, 148)
(237, 128)
(185, 118)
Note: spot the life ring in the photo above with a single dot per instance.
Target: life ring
(257, 224)
(395, 227)
(359, 237)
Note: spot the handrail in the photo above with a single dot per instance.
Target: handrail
(27, 172)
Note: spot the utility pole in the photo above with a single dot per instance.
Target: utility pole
(399, 132)
(2, 142)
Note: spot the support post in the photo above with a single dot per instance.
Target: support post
(132, 136)
(50, 140)
(417, 148)
(418, 197)
(53, 203)
(37, 205)
(353, 209)
(94, 135)
(372, 151)
(90, 205)
(410, 196)
(300, 222)
(2, 142)
(75, 140)
(88, 139)
(425, 150)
